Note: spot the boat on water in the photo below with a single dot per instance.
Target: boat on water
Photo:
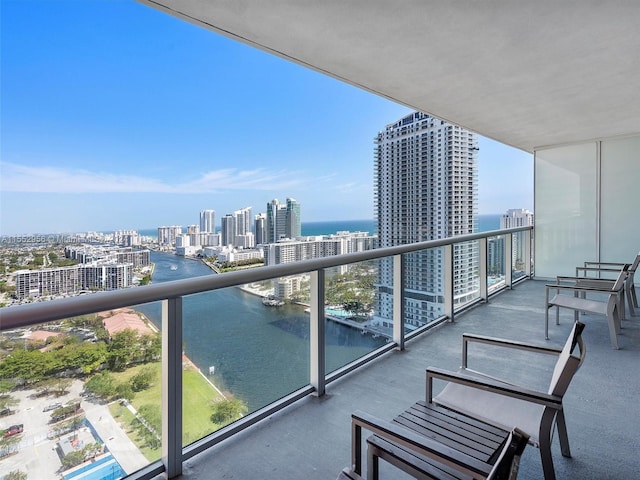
(272, 302)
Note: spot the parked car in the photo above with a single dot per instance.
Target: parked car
(13, 430)
(53, 406)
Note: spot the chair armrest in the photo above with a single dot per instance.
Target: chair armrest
(579, 288)
(413, 441)
(599, 284)
(491, 385)
(606, 264)
(597, 269)
(563, 278)
(502, 342)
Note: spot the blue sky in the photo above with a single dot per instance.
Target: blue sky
(115, 115)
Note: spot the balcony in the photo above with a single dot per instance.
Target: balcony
(311, 439)
(306, 432)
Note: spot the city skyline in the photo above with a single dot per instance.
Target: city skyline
(145, 119)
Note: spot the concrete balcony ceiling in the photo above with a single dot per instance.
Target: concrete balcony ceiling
(528, 74)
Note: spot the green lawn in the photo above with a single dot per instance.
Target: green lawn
(198, 396)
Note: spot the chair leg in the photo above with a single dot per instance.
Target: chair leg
(546, 431)
(631, 300)
(373, 464)
(562, 435)
(614, 327)
(546, 323)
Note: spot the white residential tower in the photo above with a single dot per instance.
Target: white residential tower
(425, 189)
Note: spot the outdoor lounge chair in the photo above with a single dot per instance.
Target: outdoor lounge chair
(599, 268)
(571, 293)
(437, 445)
(503, 403)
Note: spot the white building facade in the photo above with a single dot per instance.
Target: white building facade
(305, 248)
(517, 217)
(425, 178)
(208, 221)
(167, 235)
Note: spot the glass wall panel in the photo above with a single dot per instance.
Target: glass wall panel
(424, 287)
(241, 353)
(68, 396)
(620, 187)
(350, 298)
(466, 268)
(565, 208)
(495, 263)
(518, 255)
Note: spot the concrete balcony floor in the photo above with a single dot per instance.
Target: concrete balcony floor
(311, 439)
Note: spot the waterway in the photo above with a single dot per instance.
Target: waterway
(260, 353)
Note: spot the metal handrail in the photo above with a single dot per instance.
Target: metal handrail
(41, 312)
(171, 295)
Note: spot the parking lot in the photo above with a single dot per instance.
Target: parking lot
(37, 455)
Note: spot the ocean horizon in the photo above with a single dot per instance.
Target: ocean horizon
(485, 223)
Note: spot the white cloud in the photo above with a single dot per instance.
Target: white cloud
(21, 178)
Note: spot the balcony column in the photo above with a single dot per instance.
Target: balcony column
(484, 287)
(448, 281)
(172, 386)
(508, 260)
(398, 301)
(317, 333)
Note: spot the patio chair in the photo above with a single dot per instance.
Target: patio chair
(502, 403)
(571, 293)
(598, 268)
(423, 452)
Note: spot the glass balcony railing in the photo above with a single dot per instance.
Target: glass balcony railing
(134, 382)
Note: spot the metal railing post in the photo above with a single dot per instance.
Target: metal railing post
(508, 260)
(448, 281)
(398, 301)
(172, 386)
(483, 268)
(317, 333)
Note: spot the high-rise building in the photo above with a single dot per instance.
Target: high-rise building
(208, 221)
(236, 229)
(495, 255)
(517, 217)
(425, 189)
(227, 230)
(260, 228)
(243, 221)
(293, 227)
(167, 235)
(283, 220)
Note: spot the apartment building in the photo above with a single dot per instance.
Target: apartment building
(283, 220)
(167, 235)
(517, 217)
(425, 184)
(91, 253)
(208, 221)
(71, 280)
(305, 248)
